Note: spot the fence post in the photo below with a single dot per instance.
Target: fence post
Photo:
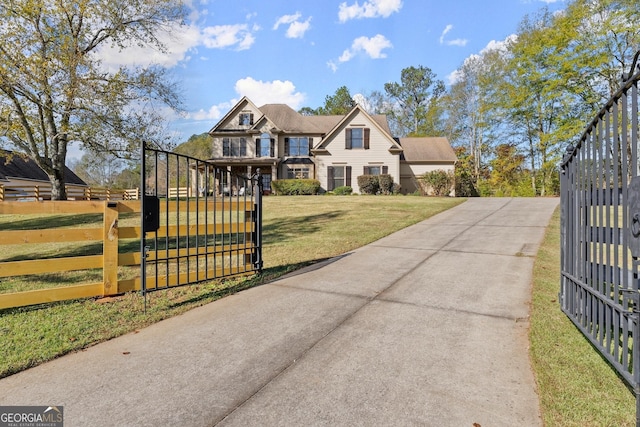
(1, 192)
(110, 249)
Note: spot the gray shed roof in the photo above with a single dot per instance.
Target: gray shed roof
(432, 149)
(16, 165)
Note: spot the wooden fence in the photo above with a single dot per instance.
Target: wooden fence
(41, 192)
(120, 224)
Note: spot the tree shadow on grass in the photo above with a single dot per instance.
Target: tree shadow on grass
(267, 275)
(53, 221)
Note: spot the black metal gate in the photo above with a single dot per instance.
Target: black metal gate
(200, 222)
(600, 223)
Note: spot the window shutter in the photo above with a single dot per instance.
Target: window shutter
(365, 170)
(258, 153)
(251, 119)
(366, 138)
(273, 147)
(330, 178)
(347, 176)
(310, 145)
(385, 170)
(286, 146)
(347, 139)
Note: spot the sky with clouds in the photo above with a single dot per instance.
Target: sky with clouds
(299, 51)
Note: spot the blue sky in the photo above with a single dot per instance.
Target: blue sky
(299, 51)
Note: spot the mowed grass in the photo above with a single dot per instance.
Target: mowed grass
(577, 387)
(298, 231)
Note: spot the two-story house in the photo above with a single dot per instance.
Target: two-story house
(332, 149)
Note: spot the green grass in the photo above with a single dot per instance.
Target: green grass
(577, 387)
(298, 231)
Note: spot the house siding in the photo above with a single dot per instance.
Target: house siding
(377, 155)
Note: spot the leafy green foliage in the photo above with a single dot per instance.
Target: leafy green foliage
(296, 187)
(368, 184)
(344, 190)
(418, 97)
(376, 184)
(197, 146)
(438, 182)
(340, 103)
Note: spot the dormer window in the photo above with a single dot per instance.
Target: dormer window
(245, 119)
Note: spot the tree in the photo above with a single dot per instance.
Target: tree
(417, 98)
(337, 104)
(54, 90)
(99, 168)
(198, 146)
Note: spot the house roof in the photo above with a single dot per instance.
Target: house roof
(290, 121)
(19, 166)
(432, 149)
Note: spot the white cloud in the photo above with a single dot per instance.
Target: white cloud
(369, 9)
(287, 19)
(273, 92)
(224, 36)
(454, 42)
(214, 113)
(373, 47)
(444, 32)
(297, 28)
(179, 41)
(500, 45)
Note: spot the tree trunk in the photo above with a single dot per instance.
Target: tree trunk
(58, 190)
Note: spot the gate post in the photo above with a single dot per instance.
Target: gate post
(110, 249)
(257, 252)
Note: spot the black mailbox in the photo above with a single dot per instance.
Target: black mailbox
(151, 217)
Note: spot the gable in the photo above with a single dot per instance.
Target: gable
(233, 120)
(358, 118)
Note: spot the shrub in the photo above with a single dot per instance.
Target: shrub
(295, 187)
(385, 183)
(438, 182)
(368, 184)
(345, 190)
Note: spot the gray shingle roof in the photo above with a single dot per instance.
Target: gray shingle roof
(288, 120)
(15, 165)
(433, 149)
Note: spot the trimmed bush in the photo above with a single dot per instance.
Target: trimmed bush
(368, 184)
(295, 187)
(438, 182)
(345, 190)
(377, 184)
(385, 182)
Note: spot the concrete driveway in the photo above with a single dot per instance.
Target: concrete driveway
(425, 327)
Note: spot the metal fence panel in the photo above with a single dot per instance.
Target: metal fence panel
(201, 222)
(600, 233)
